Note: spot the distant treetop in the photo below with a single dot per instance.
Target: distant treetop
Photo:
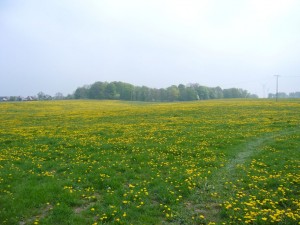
(124, 91)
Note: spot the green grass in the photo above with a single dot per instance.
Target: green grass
(111, 162)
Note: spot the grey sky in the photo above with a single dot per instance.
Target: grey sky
(58, 45)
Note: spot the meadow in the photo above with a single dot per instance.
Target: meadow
(114, 162)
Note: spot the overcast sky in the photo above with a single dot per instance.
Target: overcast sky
(59, 45)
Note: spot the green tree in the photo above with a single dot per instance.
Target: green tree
(191, 94)
(173, 93)
(235, 93)
(182, 92)
(218, 92)
(81, 93)
(203, 92)
(59, 96)
(110, 91)
(97, 90)
(126, 91)
(163, 94)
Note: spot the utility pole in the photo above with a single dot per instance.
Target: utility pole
(276, 87)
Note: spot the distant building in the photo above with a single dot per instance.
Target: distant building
(29, 98)
(3, 99)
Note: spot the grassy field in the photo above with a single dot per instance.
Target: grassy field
(111, 162)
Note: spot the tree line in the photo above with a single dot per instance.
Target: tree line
(124, 91)
(285, 95)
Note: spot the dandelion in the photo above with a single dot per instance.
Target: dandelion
(102, 151)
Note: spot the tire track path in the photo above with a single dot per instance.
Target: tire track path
(250, 149)
(210, 207)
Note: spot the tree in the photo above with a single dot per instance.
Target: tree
(244, 93)
(235, 93)
(252, 96)
(163, 94)
(191, 94)
(155, 94)
(81, 93)
(59, 96)
(145, 95)
(282, 95)
(270, 95)
(12, 98)
(203, 92)
(294, 95)
(110, 91)
(182, 92)
(173, 93)
(125, 91)
(231, 93)
(218, 92)
(97, 90)
(41, 95)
